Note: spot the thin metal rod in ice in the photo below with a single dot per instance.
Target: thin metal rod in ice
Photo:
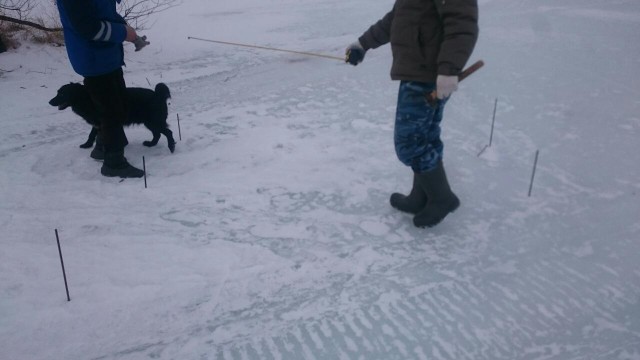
(483, 149)
(179, 131)
(533, 173)
(64, 273)
(144, 170)
(493, 122)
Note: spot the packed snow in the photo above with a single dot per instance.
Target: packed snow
(268, 233)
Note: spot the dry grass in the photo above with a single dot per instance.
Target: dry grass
(13, 35)
(6, 35)
(46, 37)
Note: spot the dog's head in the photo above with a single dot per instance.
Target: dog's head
(67, 95)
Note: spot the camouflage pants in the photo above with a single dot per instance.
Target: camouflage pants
(417, 128)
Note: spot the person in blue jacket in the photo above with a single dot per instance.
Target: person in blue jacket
(94, 33)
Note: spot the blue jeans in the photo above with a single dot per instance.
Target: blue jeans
(417, 128)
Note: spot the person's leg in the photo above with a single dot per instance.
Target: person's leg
(442, 200)
(98, 151)
(417, 127)
(418, 145)
(108, 93)
(414, 119)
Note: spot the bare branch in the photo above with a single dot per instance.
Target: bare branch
(137, 12)
(28, 23)
(18, 8)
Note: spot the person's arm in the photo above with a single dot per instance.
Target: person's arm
(379, 33)
(121, 19)
(460, 23)
(81, 14)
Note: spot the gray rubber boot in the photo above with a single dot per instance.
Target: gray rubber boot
(412, 203)
(115, 164)
(442, 200)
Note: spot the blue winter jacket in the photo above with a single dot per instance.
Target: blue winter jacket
(93, 34)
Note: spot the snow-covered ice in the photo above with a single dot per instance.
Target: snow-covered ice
(268, 234)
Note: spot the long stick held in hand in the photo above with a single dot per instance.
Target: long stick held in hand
(268, 48)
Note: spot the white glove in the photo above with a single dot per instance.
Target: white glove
(446, 85)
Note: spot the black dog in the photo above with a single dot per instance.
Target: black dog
(145, 106)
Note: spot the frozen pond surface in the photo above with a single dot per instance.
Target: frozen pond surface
(268, 234)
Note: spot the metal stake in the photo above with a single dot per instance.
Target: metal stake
(533, 174)
(64, 273)
(144, 170)
(495, 107)
(179, 131)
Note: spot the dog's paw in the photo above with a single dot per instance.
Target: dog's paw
(86, 145)
(172, 147)
(148, 143)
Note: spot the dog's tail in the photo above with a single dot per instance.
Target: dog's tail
(162, 91)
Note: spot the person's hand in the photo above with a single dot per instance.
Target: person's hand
(141, 42)
(355, 53)
(131, 34)
(446, 85)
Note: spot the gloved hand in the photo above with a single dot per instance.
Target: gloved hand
(355, 53)
(446, 85)
(140, 42)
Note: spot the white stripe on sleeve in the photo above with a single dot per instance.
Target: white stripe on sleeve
(107, 36)
(99, 34)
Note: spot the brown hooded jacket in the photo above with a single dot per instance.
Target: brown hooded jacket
(428, 37)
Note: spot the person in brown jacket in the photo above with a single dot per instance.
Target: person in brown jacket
(431, 41)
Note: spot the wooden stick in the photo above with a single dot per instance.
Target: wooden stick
(432, 97)
(64, 273)
(470, 70)
(268, 48)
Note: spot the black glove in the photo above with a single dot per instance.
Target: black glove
(355, 53)
(140, 42)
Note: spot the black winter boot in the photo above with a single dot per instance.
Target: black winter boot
(412, 203)
(442, 200)
(115, 164)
